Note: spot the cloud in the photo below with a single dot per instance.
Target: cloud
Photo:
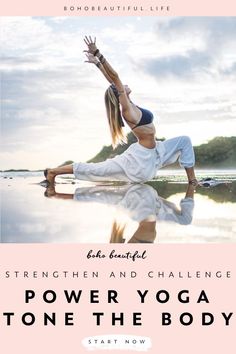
(230, 71)
(215, 31)
(182, 66)
(200, 45)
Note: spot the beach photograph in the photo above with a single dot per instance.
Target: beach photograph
(118, 130)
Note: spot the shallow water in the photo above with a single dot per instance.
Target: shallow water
(82, 212)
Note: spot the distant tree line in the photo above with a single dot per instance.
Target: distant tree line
(218, 151)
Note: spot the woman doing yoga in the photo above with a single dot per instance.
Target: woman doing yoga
(140, 162)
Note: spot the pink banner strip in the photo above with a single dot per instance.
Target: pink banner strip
(119, 8)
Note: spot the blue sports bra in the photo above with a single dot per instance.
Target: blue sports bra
(146, 118)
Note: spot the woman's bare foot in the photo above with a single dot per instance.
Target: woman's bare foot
(50, 176)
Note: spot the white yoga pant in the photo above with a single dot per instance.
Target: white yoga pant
(138, 164)
(180, 149)
(99, 171)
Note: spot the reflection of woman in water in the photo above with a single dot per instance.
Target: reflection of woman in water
(141, 160)
(142, 204)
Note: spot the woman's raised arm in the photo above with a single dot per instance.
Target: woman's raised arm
(110, 72)
(107, 70)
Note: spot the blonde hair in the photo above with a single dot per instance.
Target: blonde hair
(114, 118)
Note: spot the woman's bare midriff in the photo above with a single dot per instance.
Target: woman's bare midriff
(146, 135)
(147, 144)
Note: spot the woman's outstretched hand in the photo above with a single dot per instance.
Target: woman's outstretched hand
(91, 58)
(91, 43)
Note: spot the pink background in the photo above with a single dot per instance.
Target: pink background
(215, 339)
(177, 7)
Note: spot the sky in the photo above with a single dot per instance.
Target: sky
(183, 69)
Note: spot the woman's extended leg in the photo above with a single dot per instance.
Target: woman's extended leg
(101, 171)
(181, 149)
